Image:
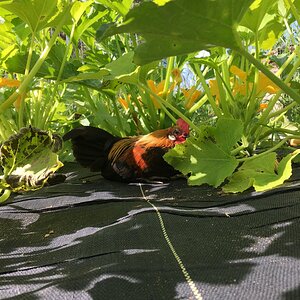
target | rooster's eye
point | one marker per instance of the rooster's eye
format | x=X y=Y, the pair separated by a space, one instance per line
x=172 y=137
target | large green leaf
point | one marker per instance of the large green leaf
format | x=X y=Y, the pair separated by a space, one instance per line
x=270 y=34
x=35 y=13
x=49 y=69
x=7 y=37
x=87 y=23
x=208 y=158
x=256 y=16
x=88 y=76
x=284 y=8
x=17 y=64
x=261 y=173
x=28 y=159
x=121 y=6
x=121 y=69
x=182 y=26
x=227 y=133
x=79 y=8
x=262 y=19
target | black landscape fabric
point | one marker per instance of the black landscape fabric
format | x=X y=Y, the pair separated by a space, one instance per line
x=89 y=238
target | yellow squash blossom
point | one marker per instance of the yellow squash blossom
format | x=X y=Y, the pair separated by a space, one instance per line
x=191 y=95
x=17 y=103
x=176 y=74
x=238 y=72
x=12 y=83
x=6 y=82
x=124 y=101
x=237 y=88
x=158 y=90
x=241 y=88
x=262 y=106
x=214 y=89
x=264 y=84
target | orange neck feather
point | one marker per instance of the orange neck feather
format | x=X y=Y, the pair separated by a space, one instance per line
x=158 y=138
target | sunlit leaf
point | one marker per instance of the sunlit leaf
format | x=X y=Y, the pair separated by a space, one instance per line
x=121 y=6
x=87 y=24
x=88 y=75
x=161 y=2
x=28 y=159
x=256 y=16
x=270 y=34
x=17 y=64
x=182 y=26
x=123 y=69
x=35 y=13
x=262 y=20
x=227 y=133
x=261 y=173
x=284 y=7
x=79 y=8
x=7 y=37
x=208 y=158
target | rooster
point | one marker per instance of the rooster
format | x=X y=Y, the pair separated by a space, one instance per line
x=128 y=159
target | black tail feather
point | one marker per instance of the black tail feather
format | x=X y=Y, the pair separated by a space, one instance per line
x=91 y=146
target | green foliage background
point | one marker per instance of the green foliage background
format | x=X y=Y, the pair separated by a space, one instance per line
x=90 y=62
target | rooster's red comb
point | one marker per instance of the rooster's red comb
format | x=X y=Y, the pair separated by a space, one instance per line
x=183 y=125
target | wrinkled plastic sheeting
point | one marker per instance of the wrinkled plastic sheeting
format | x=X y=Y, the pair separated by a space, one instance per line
x=89 y=238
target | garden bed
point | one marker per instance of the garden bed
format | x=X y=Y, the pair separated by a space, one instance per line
x=89 y=238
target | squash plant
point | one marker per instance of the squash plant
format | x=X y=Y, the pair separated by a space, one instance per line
x=119 y=64
x=232 y=149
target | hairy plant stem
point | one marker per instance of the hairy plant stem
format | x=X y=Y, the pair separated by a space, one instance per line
x=287 y=62
x=170 y=66
x=282 y=111
x=151 y=108
x=293 y=9
x=117 y=112
x=282 y=142
x=164 y=105
x=251 y=108
x=266 y=115
x=27 y=79
x=27 y=69
x=281 y=130
x=289 y=30
x=223 y=96
x=237 y=150
x=295 y=96
x=52 y=105
x=38 y=109
x=117 y=39
x=146 y=126
x=223 y=101
x=224 y=77
x=211 y=99
x=202 y=100
x=197 y=105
